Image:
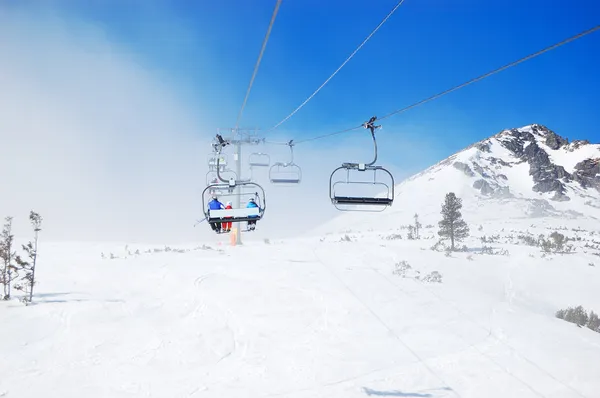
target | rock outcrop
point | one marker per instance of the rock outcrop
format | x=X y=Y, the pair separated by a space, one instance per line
x=535 y=145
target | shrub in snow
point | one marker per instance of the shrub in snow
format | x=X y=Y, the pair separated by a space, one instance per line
x=411 y=233
x=490 y=250
x=402 y=268
x=439 y=246
x=528 y=240
x=452 y=226
x=434 y=277
x=580 y=317
x=490 y=239
x=393 y=237
x=555 y=243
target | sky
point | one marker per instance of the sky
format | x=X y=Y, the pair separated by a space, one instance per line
x=108 y=107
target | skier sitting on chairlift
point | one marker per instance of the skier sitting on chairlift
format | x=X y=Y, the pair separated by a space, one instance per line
x=214 y=204
x=227 y=224
x=252 y=223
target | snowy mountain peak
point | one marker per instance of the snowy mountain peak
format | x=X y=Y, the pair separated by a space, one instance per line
x=555 y=166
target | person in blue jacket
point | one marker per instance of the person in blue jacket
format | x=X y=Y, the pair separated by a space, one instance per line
x=252 y=223
x=214 y=204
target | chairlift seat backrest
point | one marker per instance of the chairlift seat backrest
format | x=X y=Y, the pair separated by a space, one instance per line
x=235 y=213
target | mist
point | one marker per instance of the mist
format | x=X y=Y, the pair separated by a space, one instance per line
x=95 y=142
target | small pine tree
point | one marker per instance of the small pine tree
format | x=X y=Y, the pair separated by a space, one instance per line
x=28 y=267
x=7 y=255
x=577 y=315
x=558 y=241
x=593 y=322
x=417 y=226
x=452 y=225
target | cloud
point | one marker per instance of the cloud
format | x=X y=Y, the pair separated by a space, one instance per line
x=98 y=144
x=90 y=139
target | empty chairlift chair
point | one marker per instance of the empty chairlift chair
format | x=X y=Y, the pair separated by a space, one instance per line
x=258 y=159
x=286 y=173
x=344 y=192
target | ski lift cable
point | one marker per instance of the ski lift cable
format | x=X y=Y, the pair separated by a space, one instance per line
x=436 y=96
x=339 y=68
x=262 y=50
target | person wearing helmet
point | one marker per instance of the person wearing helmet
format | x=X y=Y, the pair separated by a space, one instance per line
x=227 y=225
x=214 y=204
x=252 y=223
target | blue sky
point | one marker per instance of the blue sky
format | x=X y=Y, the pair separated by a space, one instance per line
x=133 y=91
x=208 y=50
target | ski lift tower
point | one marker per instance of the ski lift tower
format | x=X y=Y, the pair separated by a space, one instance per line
x=237 y=137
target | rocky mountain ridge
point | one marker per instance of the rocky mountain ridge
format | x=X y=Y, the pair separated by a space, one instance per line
x=543 y=151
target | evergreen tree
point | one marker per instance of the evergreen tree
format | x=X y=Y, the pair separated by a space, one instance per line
x=593 y=322
x=417 y=226
x=28 y=267
x=452 y=225
x=7 y=256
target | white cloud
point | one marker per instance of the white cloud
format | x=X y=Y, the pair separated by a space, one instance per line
x=89 y=138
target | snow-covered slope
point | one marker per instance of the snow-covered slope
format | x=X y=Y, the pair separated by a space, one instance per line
x=529 y=172
x=307 y=318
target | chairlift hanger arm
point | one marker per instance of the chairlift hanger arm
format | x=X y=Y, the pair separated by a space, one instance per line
x=291 y=145
x=366 y=166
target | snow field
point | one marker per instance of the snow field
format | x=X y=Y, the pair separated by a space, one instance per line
x=302 y=318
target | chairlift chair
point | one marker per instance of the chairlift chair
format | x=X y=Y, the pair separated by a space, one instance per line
x=378 y=202
x=246 y=189
x=287 y=173
x=258 y=159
